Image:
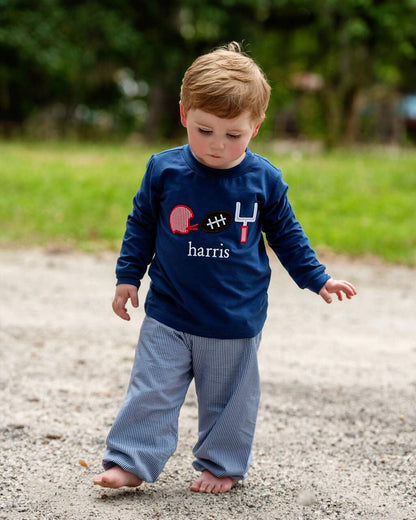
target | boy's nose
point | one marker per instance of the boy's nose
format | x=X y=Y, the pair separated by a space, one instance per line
x=217 y=144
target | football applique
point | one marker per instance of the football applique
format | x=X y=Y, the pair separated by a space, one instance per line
x=216 y=221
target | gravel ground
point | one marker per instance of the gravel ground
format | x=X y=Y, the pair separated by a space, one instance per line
x=336 y=429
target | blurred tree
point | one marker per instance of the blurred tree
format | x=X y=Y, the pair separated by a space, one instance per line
x=69 y=53
x=60 y=51
x=354 y=45
x=369 y=44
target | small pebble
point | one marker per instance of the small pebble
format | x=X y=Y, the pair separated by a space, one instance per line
x=16 y=426
x=306 y=498
x=53 y=436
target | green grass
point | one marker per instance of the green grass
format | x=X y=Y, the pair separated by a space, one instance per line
x=78 y=195
x=359 y=203
x=68 y=194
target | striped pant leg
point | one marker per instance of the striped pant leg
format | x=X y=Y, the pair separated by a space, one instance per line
x=228 y=389
x=144 y=434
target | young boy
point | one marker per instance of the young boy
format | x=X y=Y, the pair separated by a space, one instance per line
x=198 y=221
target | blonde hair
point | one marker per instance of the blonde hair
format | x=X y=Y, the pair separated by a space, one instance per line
x=226 y=82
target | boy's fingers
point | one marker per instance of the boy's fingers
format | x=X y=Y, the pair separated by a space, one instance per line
x=349 y=289
x=325 y=295
x=339 y=287
x=123 y=314
x=120 y=309
x=134 y=298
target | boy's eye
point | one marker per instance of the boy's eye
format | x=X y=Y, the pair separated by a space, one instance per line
x=204 y=132
x=234 y=136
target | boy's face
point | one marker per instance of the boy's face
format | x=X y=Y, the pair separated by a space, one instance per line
x=215 y=141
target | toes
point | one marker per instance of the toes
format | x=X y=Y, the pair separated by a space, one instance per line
x=196 y=486
x=206 y=487
x=227 y=486
x=208 y=483
x=99 y=481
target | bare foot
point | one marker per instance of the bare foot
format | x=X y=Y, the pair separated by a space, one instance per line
x=116 y=477
x=209 y=483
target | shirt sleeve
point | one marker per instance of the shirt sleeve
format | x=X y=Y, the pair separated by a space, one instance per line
x=288 y=240
x=138 y=244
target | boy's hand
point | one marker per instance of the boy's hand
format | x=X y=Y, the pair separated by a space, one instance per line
x=338 y=287
x=125 y=291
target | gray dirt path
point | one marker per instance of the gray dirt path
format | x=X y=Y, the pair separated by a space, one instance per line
x=336 y=429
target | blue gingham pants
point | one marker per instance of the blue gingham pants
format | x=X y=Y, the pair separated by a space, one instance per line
x=144 y=434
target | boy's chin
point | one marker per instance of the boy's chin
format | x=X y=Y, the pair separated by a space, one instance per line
x=218 y=162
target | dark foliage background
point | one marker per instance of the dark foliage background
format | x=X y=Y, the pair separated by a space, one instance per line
x=91 y=68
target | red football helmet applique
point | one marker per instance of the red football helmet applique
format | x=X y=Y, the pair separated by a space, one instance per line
x=179 y=220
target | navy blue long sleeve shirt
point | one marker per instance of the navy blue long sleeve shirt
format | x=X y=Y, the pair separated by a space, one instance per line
x=200 y=230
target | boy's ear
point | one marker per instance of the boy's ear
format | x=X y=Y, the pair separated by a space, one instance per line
x=183 y=114
x=256 y=128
